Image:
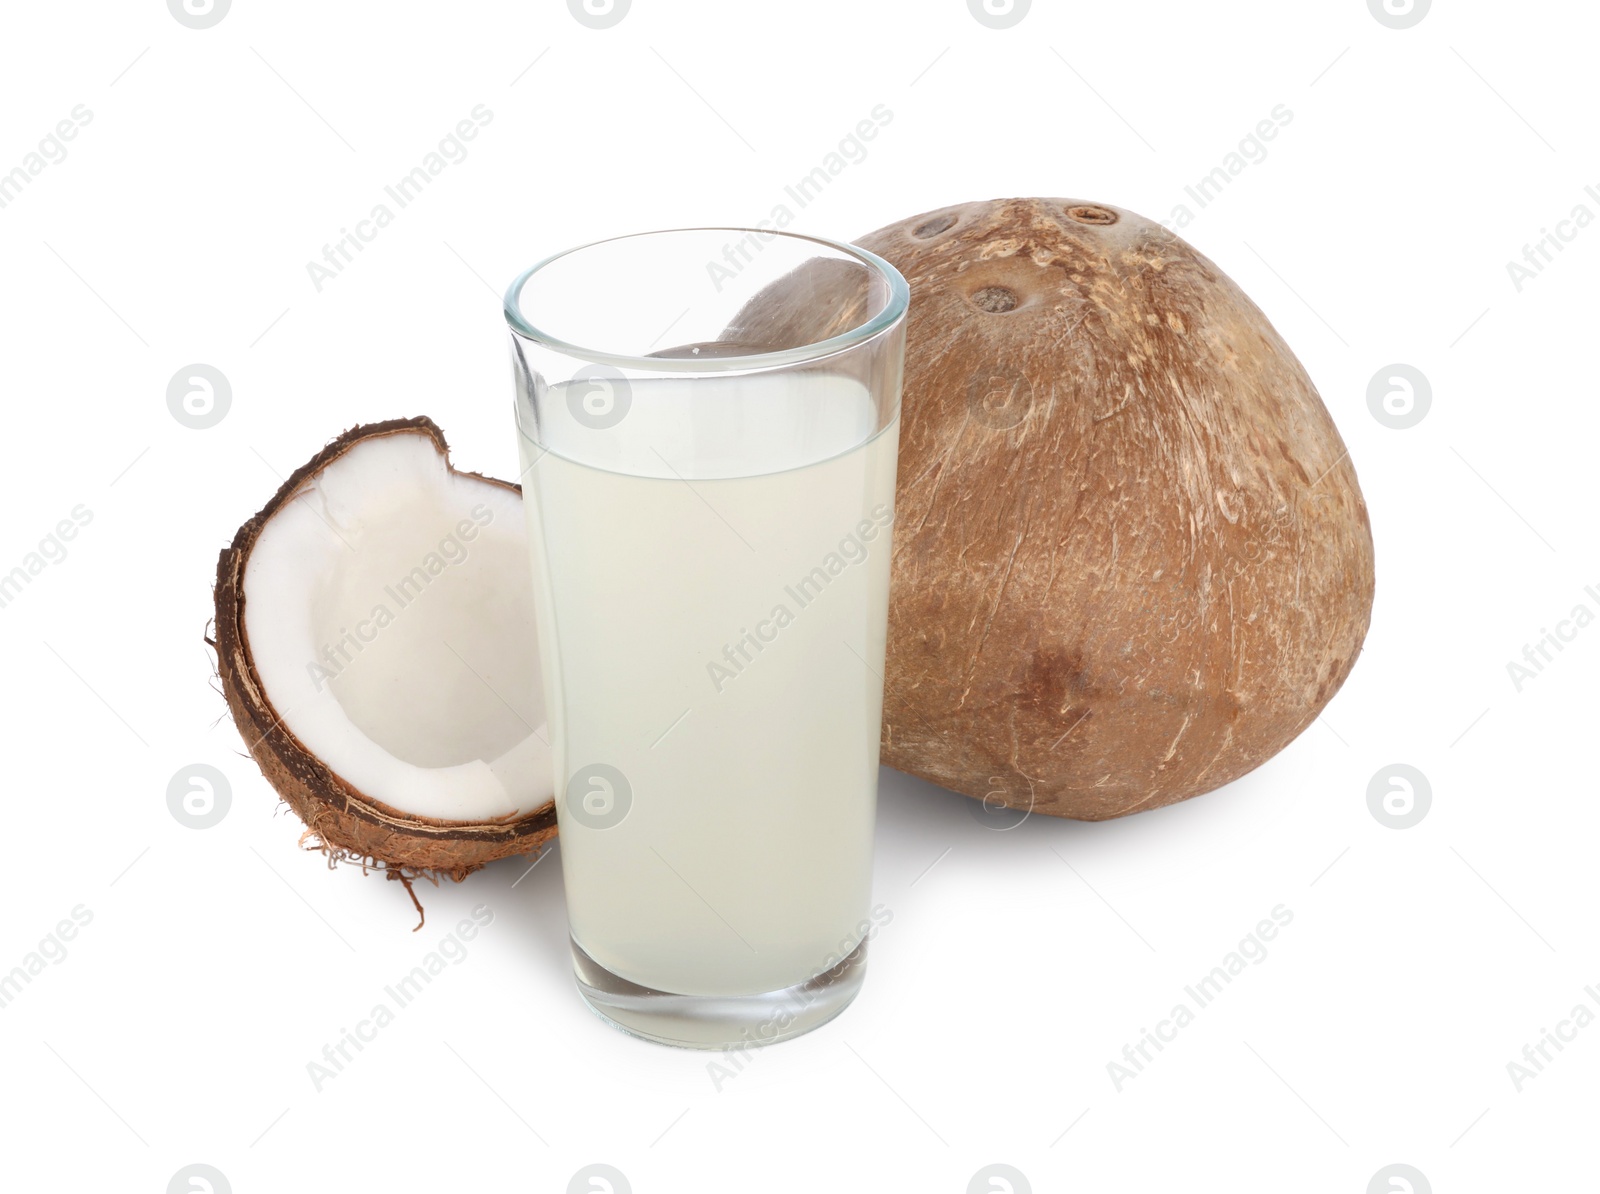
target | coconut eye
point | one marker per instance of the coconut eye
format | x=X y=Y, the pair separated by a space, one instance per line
x=931 y=228
x=994 y=299
x=1089 y=213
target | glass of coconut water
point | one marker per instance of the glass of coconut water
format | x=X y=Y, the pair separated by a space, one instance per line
x=709 y=424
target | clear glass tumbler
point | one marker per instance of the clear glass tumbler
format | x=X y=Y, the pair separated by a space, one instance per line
x=709 y=421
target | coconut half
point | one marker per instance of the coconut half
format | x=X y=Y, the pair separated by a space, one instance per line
x=376 y=644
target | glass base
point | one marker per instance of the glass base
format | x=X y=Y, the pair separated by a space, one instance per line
x=718 y=1021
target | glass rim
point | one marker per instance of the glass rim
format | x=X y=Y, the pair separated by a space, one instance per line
x=894 y=310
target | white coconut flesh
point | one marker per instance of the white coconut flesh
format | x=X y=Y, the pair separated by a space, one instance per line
x=389 y=613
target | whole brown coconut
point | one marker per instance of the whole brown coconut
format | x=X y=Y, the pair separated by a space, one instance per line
x=343 y=819
x=1131 y=559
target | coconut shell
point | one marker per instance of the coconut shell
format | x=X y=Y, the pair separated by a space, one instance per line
x=341 y=817
x=1131 y=558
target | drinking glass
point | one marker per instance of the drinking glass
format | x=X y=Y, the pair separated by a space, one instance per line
x=709 y=422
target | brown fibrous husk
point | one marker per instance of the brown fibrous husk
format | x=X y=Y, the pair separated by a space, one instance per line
x=1131 y=558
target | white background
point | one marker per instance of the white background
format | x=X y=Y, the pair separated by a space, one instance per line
x=218 y=963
